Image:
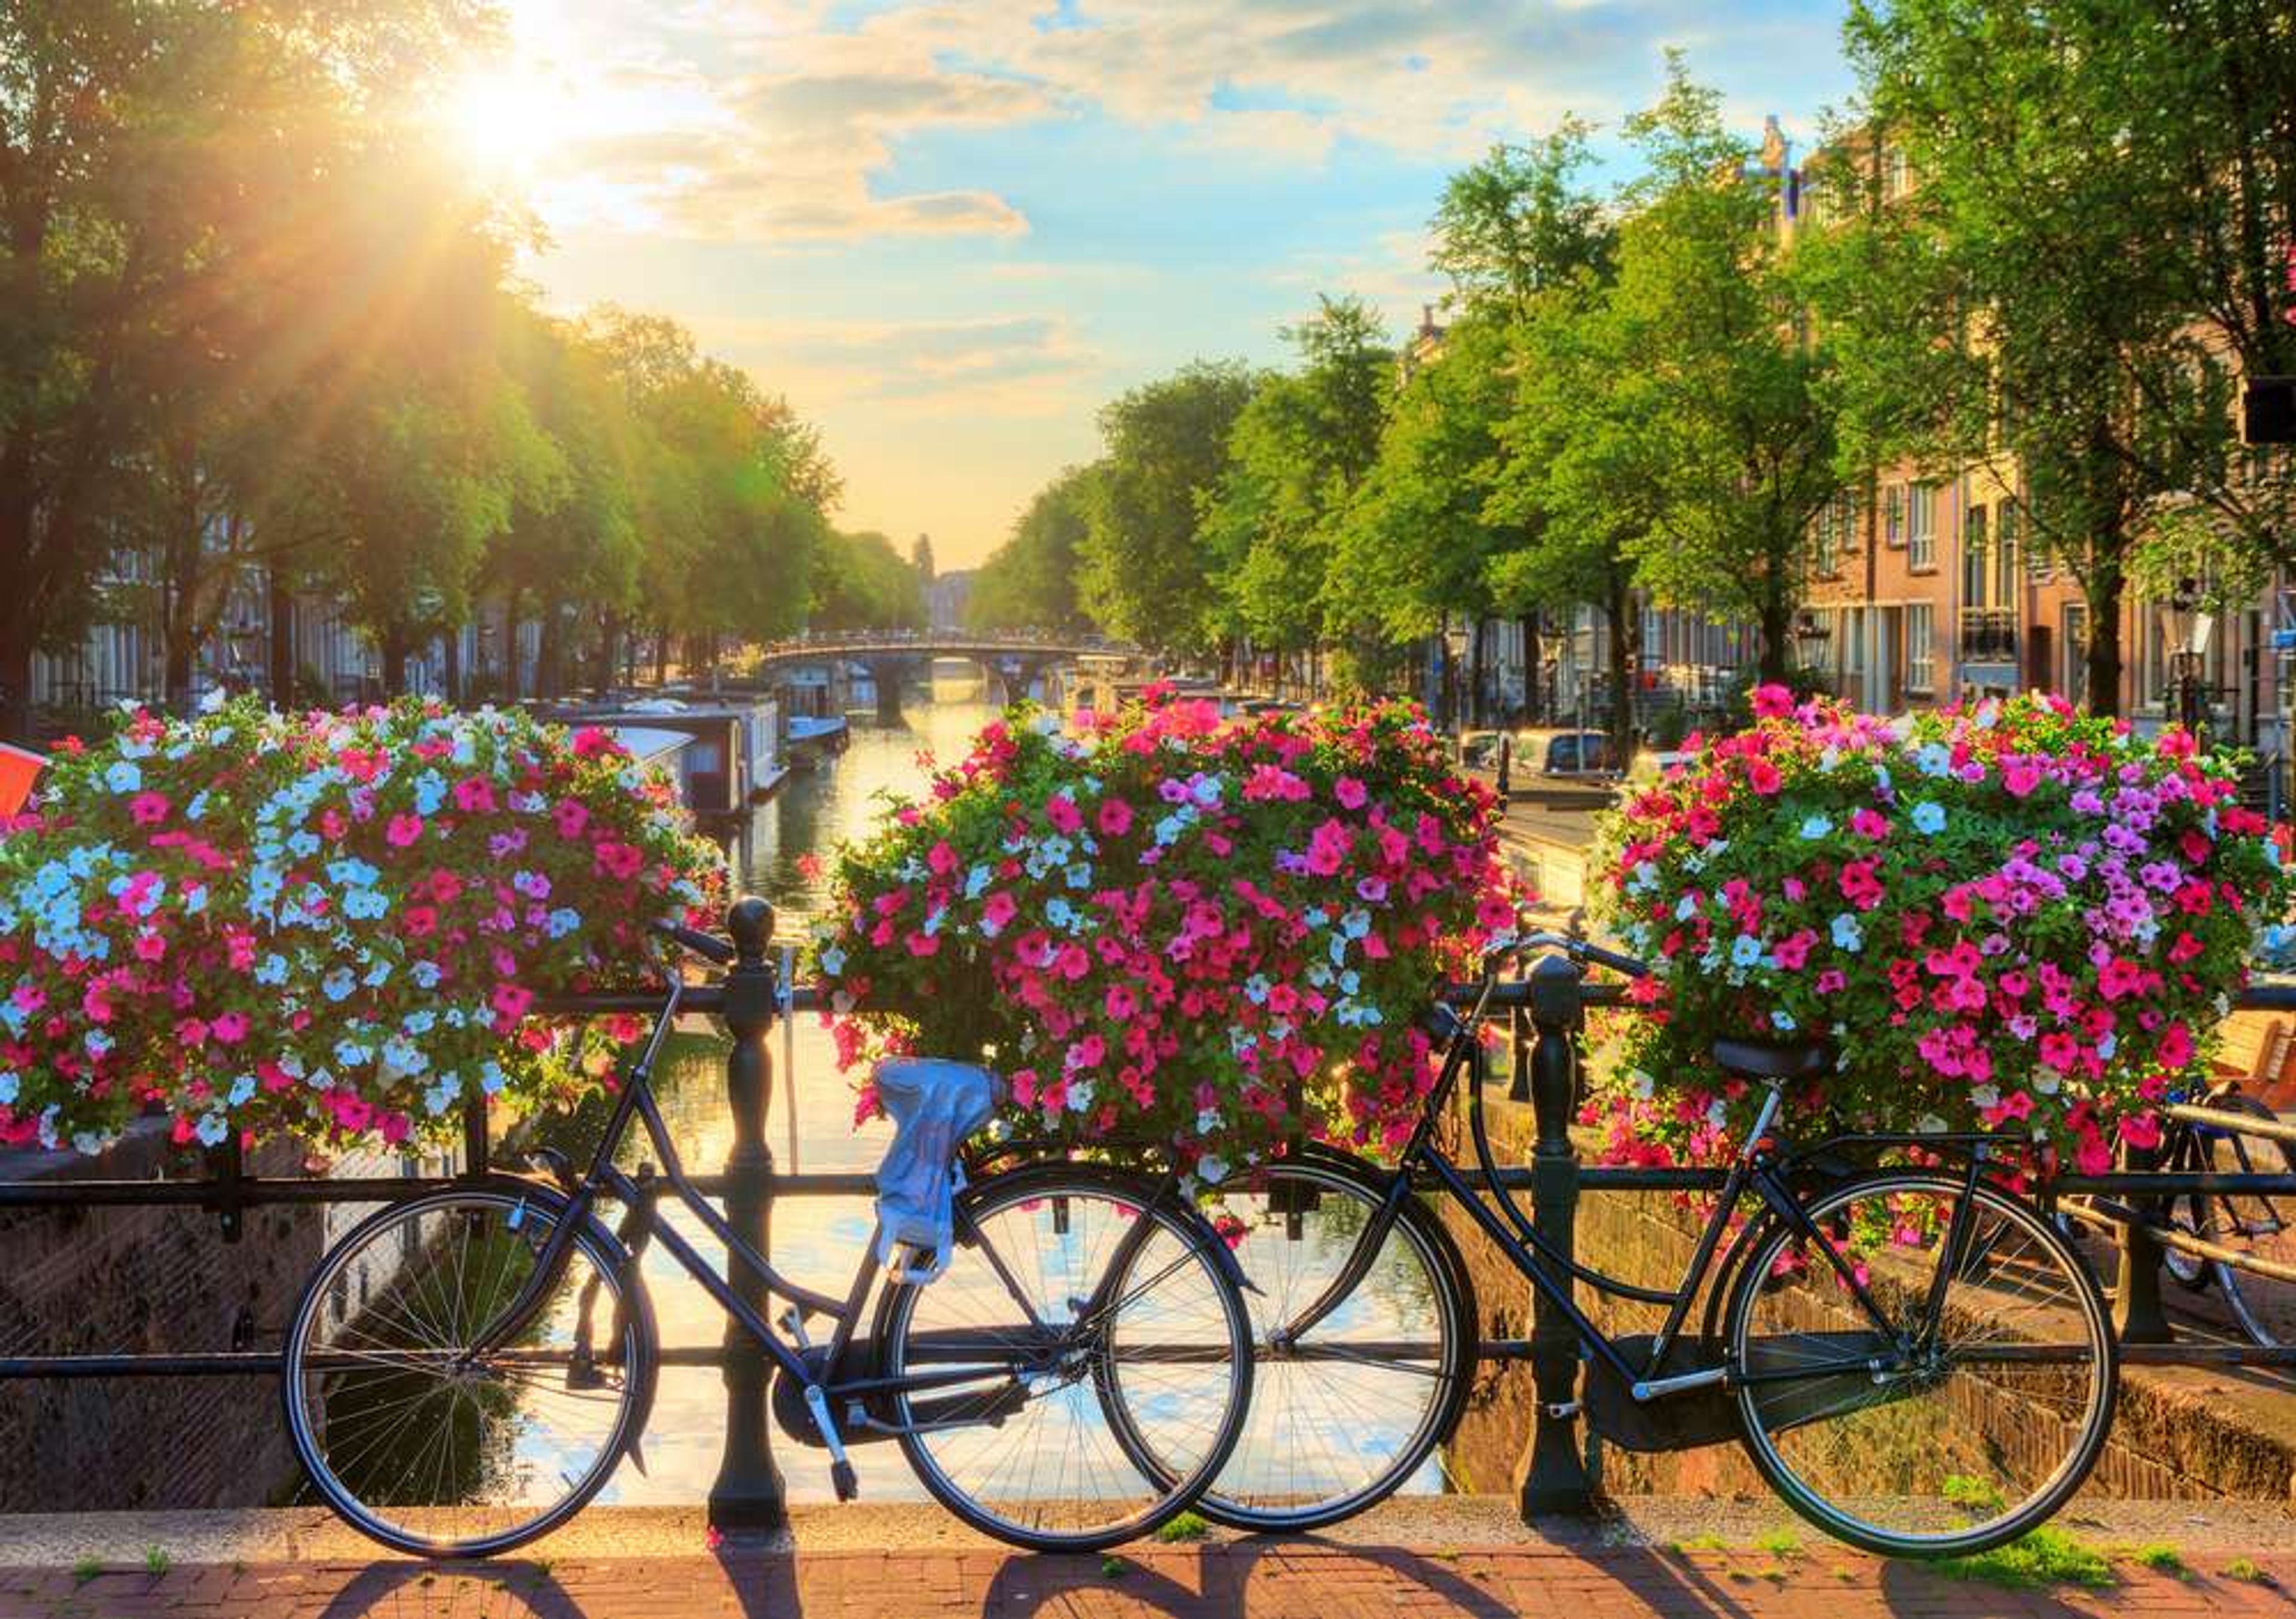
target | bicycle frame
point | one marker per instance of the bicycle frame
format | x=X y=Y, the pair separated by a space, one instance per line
x=1759 y=1167
x=603 y=1179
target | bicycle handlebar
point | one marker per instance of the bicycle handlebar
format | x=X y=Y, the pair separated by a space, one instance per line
x=1570 y=944
x=701 y=944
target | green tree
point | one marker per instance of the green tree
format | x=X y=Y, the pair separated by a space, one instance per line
x=1030 y=581
x=1518 y=222
x=1296 y=455
x=159 y=160
x=864 y=582
x=1724 y=373
x=1427 y=535
x=1147 y=572
x=2084 y=234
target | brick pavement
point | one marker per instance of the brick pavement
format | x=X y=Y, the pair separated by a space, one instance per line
x=1276 y=1579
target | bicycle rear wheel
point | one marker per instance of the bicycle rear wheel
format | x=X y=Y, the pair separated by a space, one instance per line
x=1914 y=1446
x=427 y=1448
x=1066 y=1275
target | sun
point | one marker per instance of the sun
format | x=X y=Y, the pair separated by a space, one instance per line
x=505 y=120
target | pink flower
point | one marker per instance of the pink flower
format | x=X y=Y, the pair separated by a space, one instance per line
x=1772 y=701
x=403 y=831
x=474 y=795
x=148 y=809
x=1115 y=817
x=230 y=1028
x=1350 y=793
x=510 y=1002
x=997 y=912
x=1061 y=812
x=1763 y=776
x=570 y=816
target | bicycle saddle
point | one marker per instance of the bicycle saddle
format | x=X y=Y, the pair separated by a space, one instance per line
x=1774 y=1059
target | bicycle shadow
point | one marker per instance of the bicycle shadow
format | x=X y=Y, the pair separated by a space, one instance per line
x=1248 y=1579
x=763 y=1582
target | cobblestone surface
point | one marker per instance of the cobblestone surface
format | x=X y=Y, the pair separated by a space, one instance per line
x=1270 y=1580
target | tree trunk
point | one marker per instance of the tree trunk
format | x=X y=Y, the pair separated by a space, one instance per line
x=1776 y=664
x=545 y=650
x=1620 y=611
x=395 y=641
x=279 y=623
x=661 y=655
x=1475 y=674
x=509 y=678
x=2103 y=590
x=452 y=637
x=1531 y=712
x=15 y=678
x=609 y=645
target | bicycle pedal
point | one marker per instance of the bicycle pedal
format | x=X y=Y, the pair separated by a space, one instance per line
x=845 y=1480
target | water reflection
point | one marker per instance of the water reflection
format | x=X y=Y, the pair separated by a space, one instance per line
x=817 y=1240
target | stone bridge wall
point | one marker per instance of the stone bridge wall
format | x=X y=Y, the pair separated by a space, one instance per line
x=2180 y=1431
x=130 y=1280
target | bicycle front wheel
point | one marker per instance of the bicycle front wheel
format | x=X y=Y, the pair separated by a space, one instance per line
x=430 y=1448
x=2261 y=1224
x=1349 y=1407
x=1067 y=1276
x=1944 y=1395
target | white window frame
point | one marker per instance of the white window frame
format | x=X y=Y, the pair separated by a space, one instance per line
x=1921 y=648
x=1921 y=525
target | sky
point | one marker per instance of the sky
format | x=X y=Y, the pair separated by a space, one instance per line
x=948 y=233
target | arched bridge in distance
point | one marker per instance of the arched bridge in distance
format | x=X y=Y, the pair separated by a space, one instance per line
x=892 y=659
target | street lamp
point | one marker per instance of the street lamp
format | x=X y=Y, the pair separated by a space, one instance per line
x=1810 y=634
x=2185 y=630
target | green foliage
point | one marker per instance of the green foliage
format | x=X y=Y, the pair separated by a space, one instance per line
x=1296 y=454
x=2247 y=1571
x=1147 y=575
x=863 y=582
x=1030 y=580
x=1517 y=223
x=2162 y=1558
x=2047 y=1556
x=157 y=1561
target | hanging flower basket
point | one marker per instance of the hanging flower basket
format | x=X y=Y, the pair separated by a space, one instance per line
x=1169 y=930
x=2014 y=918
x=326 y=925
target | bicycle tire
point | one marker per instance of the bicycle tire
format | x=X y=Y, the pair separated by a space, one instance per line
x=2076 y=1312
x=1043 y=1198
x=1418 y=1253
x=513 y=1206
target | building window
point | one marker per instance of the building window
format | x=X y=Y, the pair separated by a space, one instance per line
x=1921 y=525
x=1893 y=514
x=1921 y=647
x=1897 y=174
x=1974 y=572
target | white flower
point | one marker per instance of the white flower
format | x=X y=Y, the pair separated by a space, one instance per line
x=213 y=700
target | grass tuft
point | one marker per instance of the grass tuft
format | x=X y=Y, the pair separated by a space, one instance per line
x=1779 y=1543
x=2045 y=1556
x=2245 y=1571
x=1186 y=1526
x=2160 y=1557
x=1114 y=1568
x=157 y=1562
x=1700 y=1542
x=86 y=1569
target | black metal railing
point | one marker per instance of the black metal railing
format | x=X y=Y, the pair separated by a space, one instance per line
x=1989 y=635
x=1547 y=1016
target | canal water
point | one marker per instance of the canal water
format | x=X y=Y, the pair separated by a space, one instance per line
x=816 y=1241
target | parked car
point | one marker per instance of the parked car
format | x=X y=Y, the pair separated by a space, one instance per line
x=1579 y=753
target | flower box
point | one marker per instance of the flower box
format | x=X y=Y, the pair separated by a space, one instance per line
x=1174 y=930
x=2013 y=918
x=331 y=926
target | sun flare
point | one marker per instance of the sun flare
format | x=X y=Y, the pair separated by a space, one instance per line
x=506 y=119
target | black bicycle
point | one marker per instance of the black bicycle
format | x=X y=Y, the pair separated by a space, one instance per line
x=1913 y=1358
x=468 y=1367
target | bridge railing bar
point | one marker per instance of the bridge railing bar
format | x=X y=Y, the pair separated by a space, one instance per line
x=1548 y=1026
